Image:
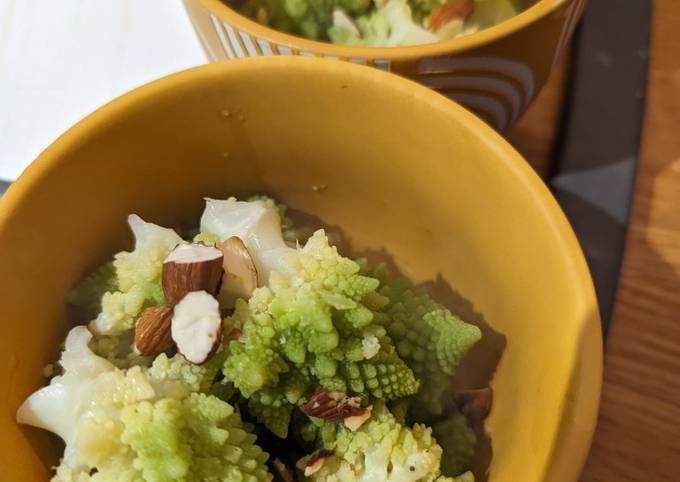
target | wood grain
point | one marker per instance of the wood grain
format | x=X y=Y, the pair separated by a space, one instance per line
x=638 y=435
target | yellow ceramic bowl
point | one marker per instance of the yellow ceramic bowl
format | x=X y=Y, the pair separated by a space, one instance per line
x=496 y=72
x=404 y=170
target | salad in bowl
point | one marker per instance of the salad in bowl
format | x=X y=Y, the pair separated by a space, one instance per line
x=381 y=23
x=249 y=350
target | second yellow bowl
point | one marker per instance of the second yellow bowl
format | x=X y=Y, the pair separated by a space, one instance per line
x=496 y=72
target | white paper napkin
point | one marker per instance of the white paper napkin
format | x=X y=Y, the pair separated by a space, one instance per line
x=61 y=59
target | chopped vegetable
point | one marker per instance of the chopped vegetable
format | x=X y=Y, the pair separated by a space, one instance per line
x=315 y=319
x=126 y=425
x=381 y=23
x=382 y=449
x=138 y=277
x=186 y=338
x=428 y=337
x=458 y=441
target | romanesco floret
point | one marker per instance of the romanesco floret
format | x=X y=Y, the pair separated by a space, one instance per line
x=317 y=322
x=314 y=319
x=382 y=449
x=465 y=477
x=138 y=276
x=177 y=372
x=384 y=376
x=196 y=439
x=273 y=406
x=199 y=438
x=426 y=334
x=458 y=441
x=428 y=337
x=124 y=425
x=87 y=294
x=272 y=410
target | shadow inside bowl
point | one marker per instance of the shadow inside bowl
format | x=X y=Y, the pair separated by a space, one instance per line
x=479 y=365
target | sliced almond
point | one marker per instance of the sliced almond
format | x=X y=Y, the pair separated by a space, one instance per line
x=312 y=463
x=332 y=406
x=235 y=334
x=191 y=267
x=152 y=332
x=475 y=405
x=282 y=469
x=452 y=10
x=197 y=326
x=240 y=275
x=355 y=422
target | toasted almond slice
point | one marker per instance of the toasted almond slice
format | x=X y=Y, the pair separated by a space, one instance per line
x=474 y=404
x=197 y=326
x=235 y=334
x=282 y=469
x=356 y=421
x=152 y=332
x=452 y=10
x=191 y=267
x=312 y=463
x=240 y=274
x=332 y=406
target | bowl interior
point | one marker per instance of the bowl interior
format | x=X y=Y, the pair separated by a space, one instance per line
x=403 y=170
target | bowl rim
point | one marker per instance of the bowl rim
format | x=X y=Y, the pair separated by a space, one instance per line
x=578 y=415
x=458 y=45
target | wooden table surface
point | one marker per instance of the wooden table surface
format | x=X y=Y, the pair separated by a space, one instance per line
x=638 y=433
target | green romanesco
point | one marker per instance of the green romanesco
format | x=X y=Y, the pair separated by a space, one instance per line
x=384 y=376
x=465 y=477
x=140 y=425
x=428 y=337
x=196 y=439
x=382 y=449
x=318 y=320
x=399 y=409
x=458 y=441
x=272 y=410
x=199 y=438
x=138 y=275
x=87 y=294
x=118 y=349
x=273 y=406
x=178 y=372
